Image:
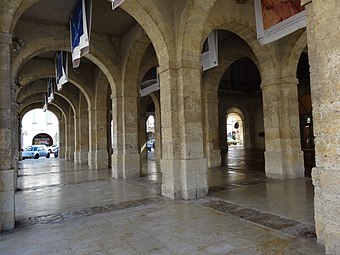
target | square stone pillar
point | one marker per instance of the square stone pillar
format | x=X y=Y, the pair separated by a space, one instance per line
x=283 y=155
x=183 y=165
x=323 y=35
x=158 y=136
x=125 y=157
x=7 y=142
x=143 y=150
x=69 y=151
x=211 y=132
x=62 y=138
x=98 y=154
x=82 y=137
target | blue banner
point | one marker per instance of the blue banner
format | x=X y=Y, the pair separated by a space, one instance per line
x=61 y=68
x=80 y=29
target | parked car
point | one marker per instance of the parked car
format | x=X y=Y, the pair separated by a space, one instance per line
x=53 y=148
x=231 y=141
x=150 y=144
x=36 y=151
x=56 y=153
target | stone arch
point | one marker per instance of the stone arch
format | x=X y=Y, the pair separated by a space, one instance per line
x=145 y=67
x=52 y=107
x=161 y=40
x=102 y=90
x=19 y=7
x=60 y=102
x=131 y=64
x=198 y=12
x=212 y=77
x=246 y=30
x=39 y=69
x=156 y=102
x=295 y=53
x=45 y=44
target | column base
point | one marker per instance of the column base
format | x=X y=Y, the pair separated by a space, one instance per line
x=80 y=157
x=184 y=179
x=284 y=165
x=7 y=198
x=125 y=166
x=98 y=159
x=214 y=159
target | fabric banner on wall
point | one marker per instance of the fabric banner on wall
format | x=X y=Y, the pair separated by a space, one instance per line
x=278 y=18
x=61 y=68
x=50 y=90
x=80 y=27
x=45 y=102
x=116 y=3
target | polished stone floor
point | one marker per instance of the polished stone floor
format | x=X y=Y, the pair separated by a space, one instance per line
x=64 y=208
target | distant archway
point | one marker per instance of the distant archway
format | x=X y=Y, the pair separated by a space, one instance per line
x=42 y=138
x=39 y=127
x=234 y=128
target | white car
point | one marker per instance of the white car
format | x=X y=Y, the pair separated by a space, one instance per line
x=35 y=151
x=53 y=148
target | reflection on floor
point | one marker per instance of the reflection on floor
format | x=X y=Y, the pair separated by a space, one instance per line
x=64 y=208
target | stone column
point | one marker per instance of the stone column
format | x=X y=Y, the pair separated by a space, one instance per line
x=82 y=138
x=211 y=131
x=158 y=137
x=283 y=155
x=98 y=154
x=7 y=172
x=183 y=166
x=222 y=121
x=323 y=19
x=19 y=138
x=69 y=152
x=142 y=137
x=62 y=138
x=92 y=139
x=125 y=157
x=101 y=153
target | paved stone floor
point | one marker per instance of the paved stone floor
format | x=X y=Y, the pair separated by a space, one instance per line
x=67 y=209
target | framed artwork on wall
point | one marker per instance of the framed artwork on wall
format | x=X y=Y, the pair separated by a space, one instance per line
x=278 y=18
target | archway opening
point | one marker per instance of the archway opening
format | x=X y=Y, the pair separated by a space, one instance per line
x=240 y=109
x=150 y=131
x=39 y=127
x=42 y=138
x=305 y=113
x=234 y=128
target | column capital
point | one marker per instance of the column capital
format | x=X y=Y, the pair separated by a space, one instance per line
x=5 y=38
x=176 y=65
x=277 y=81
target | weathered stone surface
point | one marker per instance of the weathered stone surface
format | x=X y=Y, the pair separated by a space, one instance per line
x=323 y=49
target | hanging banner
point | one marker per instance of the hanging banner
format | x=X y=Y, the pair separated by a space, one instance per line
x=45 y=102
x=278 y=18
x=61 y=68
x=209 y=57
x=116 y=3
x=80 y=27
x=50 y=90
